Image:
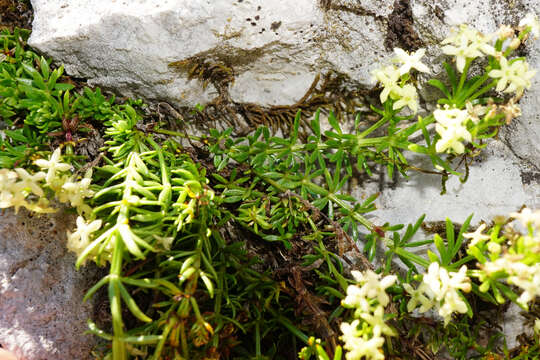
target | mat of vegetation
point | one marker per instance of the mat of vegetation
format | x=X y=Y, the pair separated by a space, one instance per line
x=247 y=247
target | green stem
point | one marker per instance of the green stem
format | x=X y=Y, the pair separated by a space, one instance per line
x=373 y=127
x=118 y=346
x=483 y=90
x=463 y=76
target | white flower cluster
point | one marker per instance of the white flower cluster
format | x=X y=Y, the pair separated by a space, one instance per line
x=440 y=290
x=18 y=187
x=467 y=44
x=65 y=185
x=452 y=128
x=513 y=76
x=363 y=336
x=517 y=260
x=392 y=79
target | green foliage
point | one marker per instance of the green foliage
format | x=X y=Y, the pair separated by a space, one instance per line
x=240 y=247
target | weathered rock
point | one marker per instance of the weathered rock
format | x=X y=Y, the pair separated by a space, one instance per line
x=42 y=315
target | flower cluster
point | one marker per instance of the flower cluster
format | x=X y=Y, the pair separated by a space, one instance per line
x=440 y=290
x=64 y=184
x=19 y=189
x=513 y=76
x=363 y=336
x=393 y=79
x=452 y=128
x=512 y=256
x=467 y=44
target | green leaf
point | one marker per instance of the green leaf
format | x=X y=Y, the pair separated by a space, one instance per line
x=439 y=85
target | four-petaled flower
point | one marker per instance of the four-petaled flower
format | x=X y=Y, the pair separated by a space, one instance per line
x=513 y=75
x=410 y=61
x=477 y=235
x=53 y=165
x=80 y=239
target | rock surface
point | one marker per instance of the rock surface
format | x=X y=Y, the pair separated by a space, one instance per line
x=273 y=50
x=42 y=316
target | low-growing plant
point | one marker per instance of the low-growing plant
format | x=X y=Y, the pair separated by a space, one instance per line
x=220 y=246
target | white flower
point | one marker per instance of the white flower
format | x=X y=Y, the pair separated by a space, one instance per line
x=417 y=296
x=531 y=20
x=28 y=181
x=451 y=127
x=512 y=77
x=357 y=347
x=407 y=97
x=467 y=44
x=376 y=320
x=410 y=61
x=527 y=217
x=80 y=239
x=388 y=77
x=356 y=299
x=75 y=192
x=442 y=286
x=477 y=235
x=373 y=287
x=53 y=165
x=475 y=111
x=452 y=303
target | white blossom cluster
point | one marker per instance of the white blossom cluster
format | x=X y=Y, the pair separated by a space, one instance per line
x=440 y=289
x=516 y=259
x=18 y=188
x=393 y=79
x=363 y=337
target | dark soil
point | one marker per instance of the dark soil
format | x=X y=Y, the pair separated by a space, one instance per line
x=401 y=31
x=16 y=13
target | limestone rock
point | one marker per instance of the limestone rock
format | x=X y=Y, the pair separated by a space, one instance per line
x=42 y=315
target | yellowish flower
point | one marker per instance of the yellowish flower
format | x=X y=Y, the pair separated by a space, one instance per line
x=53 y=165
x=512 y=76
x=80 y=239
x=410 y=61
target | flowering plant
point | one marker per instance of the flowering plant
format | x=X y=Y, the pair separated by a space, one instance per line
x=223 y=246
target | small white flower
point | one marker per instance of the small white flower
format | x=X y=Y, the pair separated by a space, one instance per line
x=407 y=97
x=75 y=192
x=467 y=44
x=477 y=235
x=357 y=347
x=410 y=61
x=512 y=77
x=417 y=296
x=452 y=303
x=504 y=32
x=80 y=239
x=28 y=181
x=451 y=127
x=53 y=165
x=475 y=111
x=376 y=320
x=531 y=20
x=388 y=77
x=527 y=217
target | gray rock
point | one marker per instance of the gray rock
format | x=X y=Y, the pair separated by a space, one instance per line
x=42 y=315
